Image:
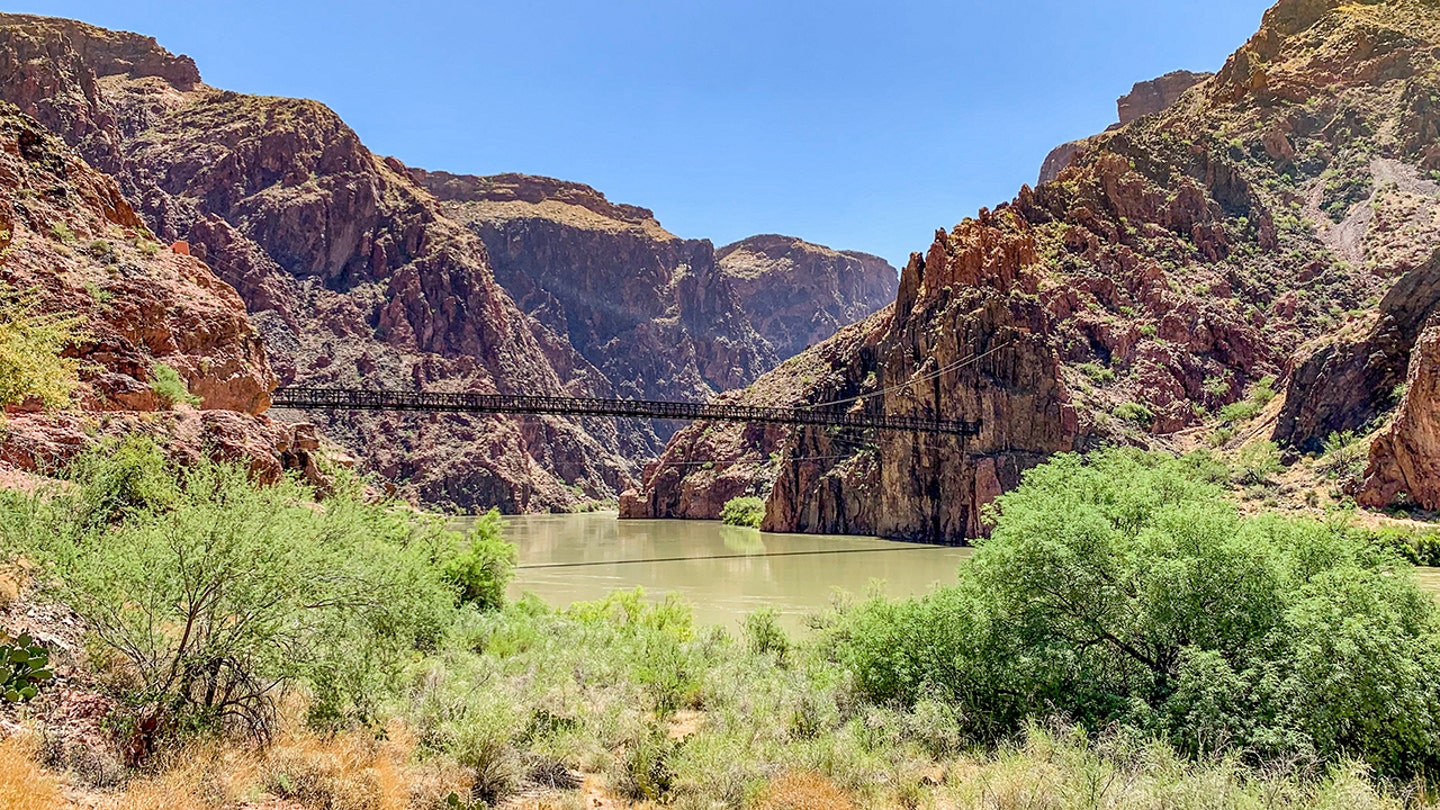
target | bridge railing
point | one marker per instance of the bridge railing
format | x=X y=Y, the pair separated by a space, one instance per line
x=364 y=399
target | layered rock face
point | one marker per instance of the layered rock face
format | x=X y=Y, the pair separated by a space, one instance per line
x=72 y=241
x=352 y=273
x=647 y=308
x=661 y=317
x=1174 y=262
x=798 y=294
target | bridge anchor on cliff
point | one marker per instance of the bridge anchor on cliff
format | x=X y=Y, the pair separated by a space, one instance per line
x=352 y=399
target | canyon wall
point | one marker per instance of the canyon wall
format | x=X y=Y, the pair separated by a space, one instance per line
x=1175 y=262
x=350 y=271
x=71 y=246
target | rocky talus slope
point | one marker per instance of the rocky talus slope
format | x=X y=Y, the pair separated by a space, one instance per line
x=1249 y=230
x=69 y=239
x=352 y=274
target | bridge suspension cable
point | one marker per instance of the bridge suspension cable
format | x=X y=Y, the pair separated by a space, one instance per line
x=369 y=400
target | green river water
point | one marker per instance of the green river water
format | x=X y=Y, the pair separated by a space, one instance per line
x=724 y=572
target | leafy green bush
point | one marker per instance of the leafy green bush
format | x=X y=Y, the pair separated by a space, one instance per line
x=1125 y=589
x=1343 y=456
x=645 y=773
x=1417 y=546
x=168 y=385
x=764 y=636
x=219 y=595
x=483 y=565
x=1135 y=413
x=31 y=342
x=744 y=511
x=24 y=668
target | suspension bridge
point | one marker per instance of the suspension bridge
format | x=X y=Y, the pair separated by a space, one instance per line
x=351 y=399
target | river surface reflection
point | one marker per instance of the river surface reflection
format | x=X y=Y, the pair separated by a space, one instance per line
x=724 y=572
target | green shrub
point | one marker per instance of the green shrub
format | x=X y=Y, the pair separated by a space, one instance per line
x=170 y=387
x=1098 y=373
x=645 y=772
x=744 y=511
x=1124 y=589
x=31 y=342
x=483 y=565
x=1135 y=413
x=220 y=595
x=1343 y=457
x=764 y=636
x=1242 y=411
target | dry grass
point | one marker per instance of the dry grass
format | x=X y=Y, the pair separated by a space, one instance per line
x=23 y=784
x=348 y=771
x=9 y=588
x=351 y=771
x=804 y=791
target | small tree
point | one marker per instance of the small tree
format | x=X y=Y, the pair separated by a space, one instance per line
x=744 y=511
x=214 y=596
x=483 y=564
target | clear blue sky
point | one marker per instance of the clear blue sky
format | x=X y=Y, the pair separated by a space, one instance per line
x=859 y=125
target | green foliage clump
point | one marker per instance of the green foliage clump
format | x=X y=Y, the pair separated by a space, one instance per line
x=1136 y=413
x=167 y=384
x=764 y=636
x=1417 y=546
x=31 y=342
x=1343 y=456
x=1097 y=373
x=24 y=668
x=746 y=511
x=214 y=595
x=62 y=232
x=1261 y=394
x=483 y=564
x=1124 y=589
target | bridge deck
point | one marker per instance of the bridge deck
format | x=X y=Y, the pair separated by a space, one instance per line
x=358 y=399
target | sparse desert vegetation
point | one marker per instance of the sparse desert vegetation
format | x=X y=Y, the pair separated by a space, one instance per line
x=1126 y=639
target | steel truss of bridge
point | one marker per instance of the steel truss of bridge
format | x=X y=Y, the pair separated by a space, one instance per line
x=345 y=399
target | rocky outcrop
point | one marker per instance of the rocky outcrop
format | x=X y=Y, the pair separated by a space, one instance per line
x=1156 y=95
x=1058 y=159
x=1345 y=382
x=798 y=294
x=1404 y=466
x=706 y=465
x=350 y=270
x=661 y=317
x=1168 y=269
x=1145 y=98
x=74 y=245
x=71 y=239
